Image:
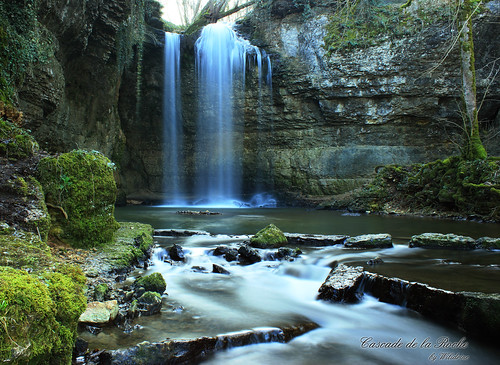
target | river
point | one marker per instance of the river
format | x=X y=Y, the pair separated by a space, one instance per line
x=274 y=293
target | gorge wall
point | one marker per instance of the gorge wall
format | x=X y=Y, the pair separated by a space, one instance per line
x=325 y=126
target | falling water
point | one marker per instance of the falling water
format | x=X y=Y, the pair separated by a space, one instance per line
x=221 y=63
x=173 y=158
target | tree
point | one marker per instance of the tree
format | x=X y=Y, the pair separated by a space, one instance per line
x=215 y=10
x=474 y=148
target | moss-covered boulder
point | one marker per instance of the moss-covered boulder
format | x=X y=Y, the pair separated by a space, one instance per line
x=149 y=303
x=15 y=142
x=270 y=236
x=439 y=240
x=154 y=283
x=368 y=241
x=40 y=302
x=80 y=191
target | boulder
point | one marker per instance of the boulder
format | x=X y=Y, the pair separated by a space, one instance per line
x=287 y=253
x=446 y=241
x=99 y=313
x=248 y=255
x=368 y=241
x=176 y=253
x=229 y=253
x=154 y=282
x=270 y=236
x=342 y=284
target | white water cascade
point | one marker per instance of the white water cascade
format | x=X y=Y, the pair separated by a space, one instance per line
x=221 y=64
x=173 y=157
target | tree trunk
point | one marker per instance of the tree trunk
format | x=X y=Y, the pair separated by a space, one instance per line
x=474 y=148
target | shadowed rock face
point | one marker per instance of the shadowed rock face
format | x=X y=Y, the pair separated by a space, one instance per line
x=321 y=130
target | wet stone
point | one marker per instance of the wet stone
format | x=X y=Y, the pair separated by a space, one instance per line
x=369 y=241
x=176 y=253
x=217 y=269
x=342 y=284
x=248 y=255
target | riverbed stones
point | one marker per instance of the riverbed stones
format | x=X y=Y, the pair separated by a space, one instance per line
x=270 y=236
x=341 y=284
x=369 y=241
x=443 y=241
x=99 y=313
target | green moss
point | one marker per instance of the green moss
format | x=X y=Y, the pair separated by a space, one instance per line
x=15 y=142
x=152 y=283
x=40 y=302
x=270 y=236
x=453 y=184
x=130 y=244
x=80 y=186
x=100 y=292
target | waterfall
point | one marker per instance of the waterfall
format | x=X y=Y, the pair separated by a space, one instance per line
x=221 y=63
x=173 y=158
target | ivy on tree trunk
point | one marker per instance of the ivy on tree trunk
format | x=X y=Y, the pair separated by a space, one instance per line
x=474 y=148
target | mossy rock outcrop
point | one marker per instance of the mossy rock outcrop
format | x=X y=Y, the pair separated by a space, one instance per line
x=80 y=191
x=15 y=142
x=40 y=302
x=270 y=236
x=453 y=185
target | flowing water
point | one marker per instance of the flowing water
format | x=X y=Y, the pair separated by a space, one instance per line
x=273 y=293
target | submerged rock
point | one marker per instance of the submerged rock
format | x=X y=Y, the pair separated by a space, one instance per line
x=195 y=350
x=376 y=261
x=439 y=240
x=99 y=313
x=342 y=284
x=368 y=241
x=270 y=236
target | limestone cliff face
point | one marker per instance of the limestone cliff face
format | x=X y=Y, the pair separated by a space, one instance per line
x=71 y=100
x=332 y=120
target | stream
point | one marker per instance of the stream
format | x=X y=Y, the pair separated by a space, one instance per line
x=276 y=293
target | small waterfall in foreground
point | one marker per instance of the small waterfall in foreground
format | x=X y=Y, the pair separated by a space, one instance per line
x=221 y=64
x=173 y=158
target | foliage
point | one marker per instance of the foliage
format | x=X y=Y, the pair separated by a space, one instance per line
x=15 y=142
x=454 y=184
x=80 y=186
x=22 y=44
x=365 y=23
